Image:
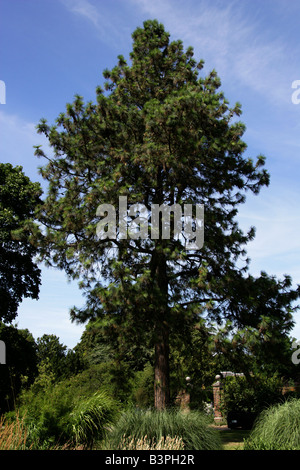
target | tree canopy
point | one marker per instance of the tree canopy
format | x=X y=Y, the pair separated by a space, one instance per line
x=19 y=273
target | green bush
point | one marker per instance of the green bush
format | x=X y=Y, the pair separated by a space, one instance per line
x=192 y=427
x=240 y=395
x=65 y=413
x=142 y=393
x=46 y=416
x=277 y=428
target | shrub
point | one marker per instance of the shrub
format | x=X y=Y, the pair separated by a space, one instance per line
x=192 y=427
x=277 y=428
x=46 y=415
x=142 y=387
x=65 y=413
x=239 y=395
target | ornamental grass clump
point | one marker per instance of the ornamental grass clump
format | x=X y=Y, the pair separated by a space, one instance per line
x=92 y=417
x=144 y=443
x=191 y=428
x=277 y=428
x=13 y=434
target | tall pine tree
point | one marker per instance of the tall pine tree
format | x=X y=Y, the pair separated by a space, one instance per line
x=159 y=133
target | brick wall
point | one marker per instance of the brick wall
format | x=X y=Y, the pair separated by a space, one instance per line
x=217 y=390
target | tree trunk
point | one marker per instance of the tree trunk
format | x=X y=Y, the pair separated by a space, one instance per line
x=161 y=371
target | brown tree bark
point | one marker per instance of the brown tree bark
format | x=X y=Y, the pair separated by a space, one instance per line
x=161 y=371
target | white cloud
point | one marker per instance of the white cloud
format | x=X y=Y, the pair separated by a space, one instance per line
x=13 y=122
x=84 y=8
x=110 y=28
x=276 y=247
x=17 y=140
x=238 y=48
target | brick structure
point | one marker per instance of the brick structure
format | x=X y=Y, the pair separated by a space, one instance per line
x=217 y=392
x=218 y=388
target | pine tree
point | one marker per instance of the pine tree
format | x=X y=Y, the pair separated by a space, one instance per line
x=159 y=133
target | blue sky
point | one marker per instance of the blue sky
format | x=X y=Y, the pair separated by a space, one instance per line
x=54 y=49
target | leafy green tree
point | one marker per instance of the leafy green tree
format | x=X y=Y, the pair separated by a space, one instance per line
x=62 y=362
x=100 y=342
x=20 y=369
x=19 y=274
x=160 y=134
x=50 y=350
x=238 y=395
x=256 y=336
x=50 y=347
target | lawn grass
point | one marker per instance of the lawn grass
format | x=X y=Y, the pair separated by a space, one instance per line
x=233 y=439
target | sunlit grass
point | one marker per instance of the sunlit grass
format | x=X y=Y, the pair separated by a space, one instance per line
x=192 y=428
x=13 y=434
x=233 y=439
x=277 y=428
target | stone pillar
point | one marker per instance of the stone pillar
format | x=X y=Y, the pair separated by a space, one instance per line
x=217 y=388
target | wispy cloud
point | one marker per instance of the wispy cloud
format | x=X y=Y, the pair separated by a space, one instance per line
x=85 y=9
x=224 y=36
x=18 y=138
x=110 y=28
x=240 y=48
